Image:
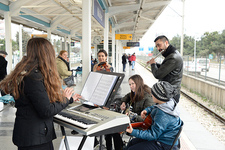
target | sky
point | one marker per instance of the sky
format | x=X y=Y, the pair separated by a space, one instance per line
x=200 y=16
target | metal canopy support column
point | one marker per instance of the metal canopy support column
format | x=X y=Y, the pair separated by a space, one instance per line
x=106 y=33
x=96 y=51
x=86 y=37
x=117 y=55
x=120 y=55
x=8 y=40
x=20 y=41
x=49 y=33
x=65 y=46
x=182 y=32
x=69 y=49
x=113 y=48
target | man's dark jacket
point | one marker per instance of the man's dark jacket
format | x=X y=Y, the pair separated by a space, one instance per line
x=3 y=66
x=171 y=69
x=124 y=59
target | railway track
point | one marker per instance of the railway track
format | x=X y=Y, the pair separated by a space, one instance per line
x=217 y=116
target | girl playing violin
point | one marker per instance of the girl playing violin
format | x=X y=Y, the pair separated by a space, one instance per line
x=102 y=65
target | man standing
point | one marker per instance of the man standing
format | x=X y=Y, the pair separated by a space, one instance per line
x=171 y=69
x=3 y=66
x=133 y=59
x=124 y=61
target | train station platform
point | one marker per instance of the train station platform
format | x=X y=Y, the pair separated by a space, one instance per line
x=193 y=137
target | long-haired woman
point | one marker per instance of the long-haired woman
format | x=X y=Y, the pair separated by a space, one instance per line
x=36 y=87
x=139 y=97
x=102 y=58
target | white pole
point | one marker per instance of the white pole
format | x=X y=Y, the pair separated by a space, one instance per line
x=117 y=55
x=20 y=41
x=106 y=32
x=113 y=48
x=8 y=40
x=49 y=34
x=86 y=37
x=182 y=32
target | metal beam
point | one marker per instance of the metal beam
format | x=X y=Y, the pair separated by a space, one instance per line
x=121 y=9
x=15 y=7
x=118 y=26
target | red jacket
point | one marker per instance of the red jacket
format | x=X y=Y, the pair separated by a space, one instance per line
x=132 y=58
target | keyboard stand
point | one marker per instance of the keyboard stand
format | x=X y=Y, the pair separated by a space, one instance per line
x=65 y=138
x=81 y=143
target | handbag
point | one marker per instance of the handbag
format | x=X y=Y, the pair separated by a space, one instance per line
x=69 y=81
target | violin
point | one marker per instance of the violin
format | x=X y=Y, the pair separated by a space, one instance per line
x=103 y=66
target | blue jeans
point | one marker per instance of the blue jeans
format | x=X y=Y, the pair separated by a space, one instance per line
x=141 y=144
x=124 y=67
x=133 y=64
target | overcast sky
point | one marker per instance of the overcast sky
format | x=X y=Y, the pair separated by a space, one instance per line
x=200 y=16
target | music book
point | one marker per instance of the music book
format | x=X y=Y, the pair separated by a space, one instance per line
x=98 y=88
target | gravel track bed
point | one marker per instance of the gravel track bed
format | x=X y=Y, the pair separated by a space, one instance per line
x=213 y=125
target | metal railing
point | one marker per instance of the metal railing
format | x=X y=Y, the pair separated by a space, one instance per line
x=212 y=70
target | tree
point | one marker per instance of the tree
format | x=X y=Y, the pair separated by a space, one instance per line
x=25 y=38
x=14 y=45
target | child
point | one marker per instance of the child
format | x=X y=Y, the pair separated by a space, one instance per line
x=165 y=121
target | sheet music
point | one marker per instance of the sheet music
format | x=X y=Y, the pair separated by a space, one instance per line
x=97 y=87
x=90 y=84
x=101 y=92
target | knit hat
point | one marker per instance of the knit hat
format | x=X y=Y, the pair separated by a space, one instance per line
x=3 y=52
x=163 y=91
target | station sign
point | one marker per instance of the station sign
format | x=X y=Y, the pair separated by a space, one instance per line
x=98 y=13
x=141 y=48
x=39 y=35
x=123 y=36
x=133 y=44
x=150 y=49
x=125 y=47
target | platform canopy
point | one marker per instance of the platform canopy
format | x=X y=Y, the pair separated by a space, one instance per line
x=64 y=17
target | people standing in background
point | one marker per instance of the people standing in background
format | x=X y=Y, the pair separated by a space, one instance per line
x=171 y=69
x=133 y=59
x=3 y=67
x=129 y=59
x=36 y=87
x=124 y=61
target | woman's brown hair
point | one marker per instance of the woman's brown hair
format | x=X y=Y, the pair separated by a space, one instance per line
x=140 y=90
x=41 y=56
x=62 y=51
x=102 y=51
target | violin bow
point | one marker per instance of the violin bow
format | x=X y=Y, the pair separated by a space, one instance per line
x=155 y=57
